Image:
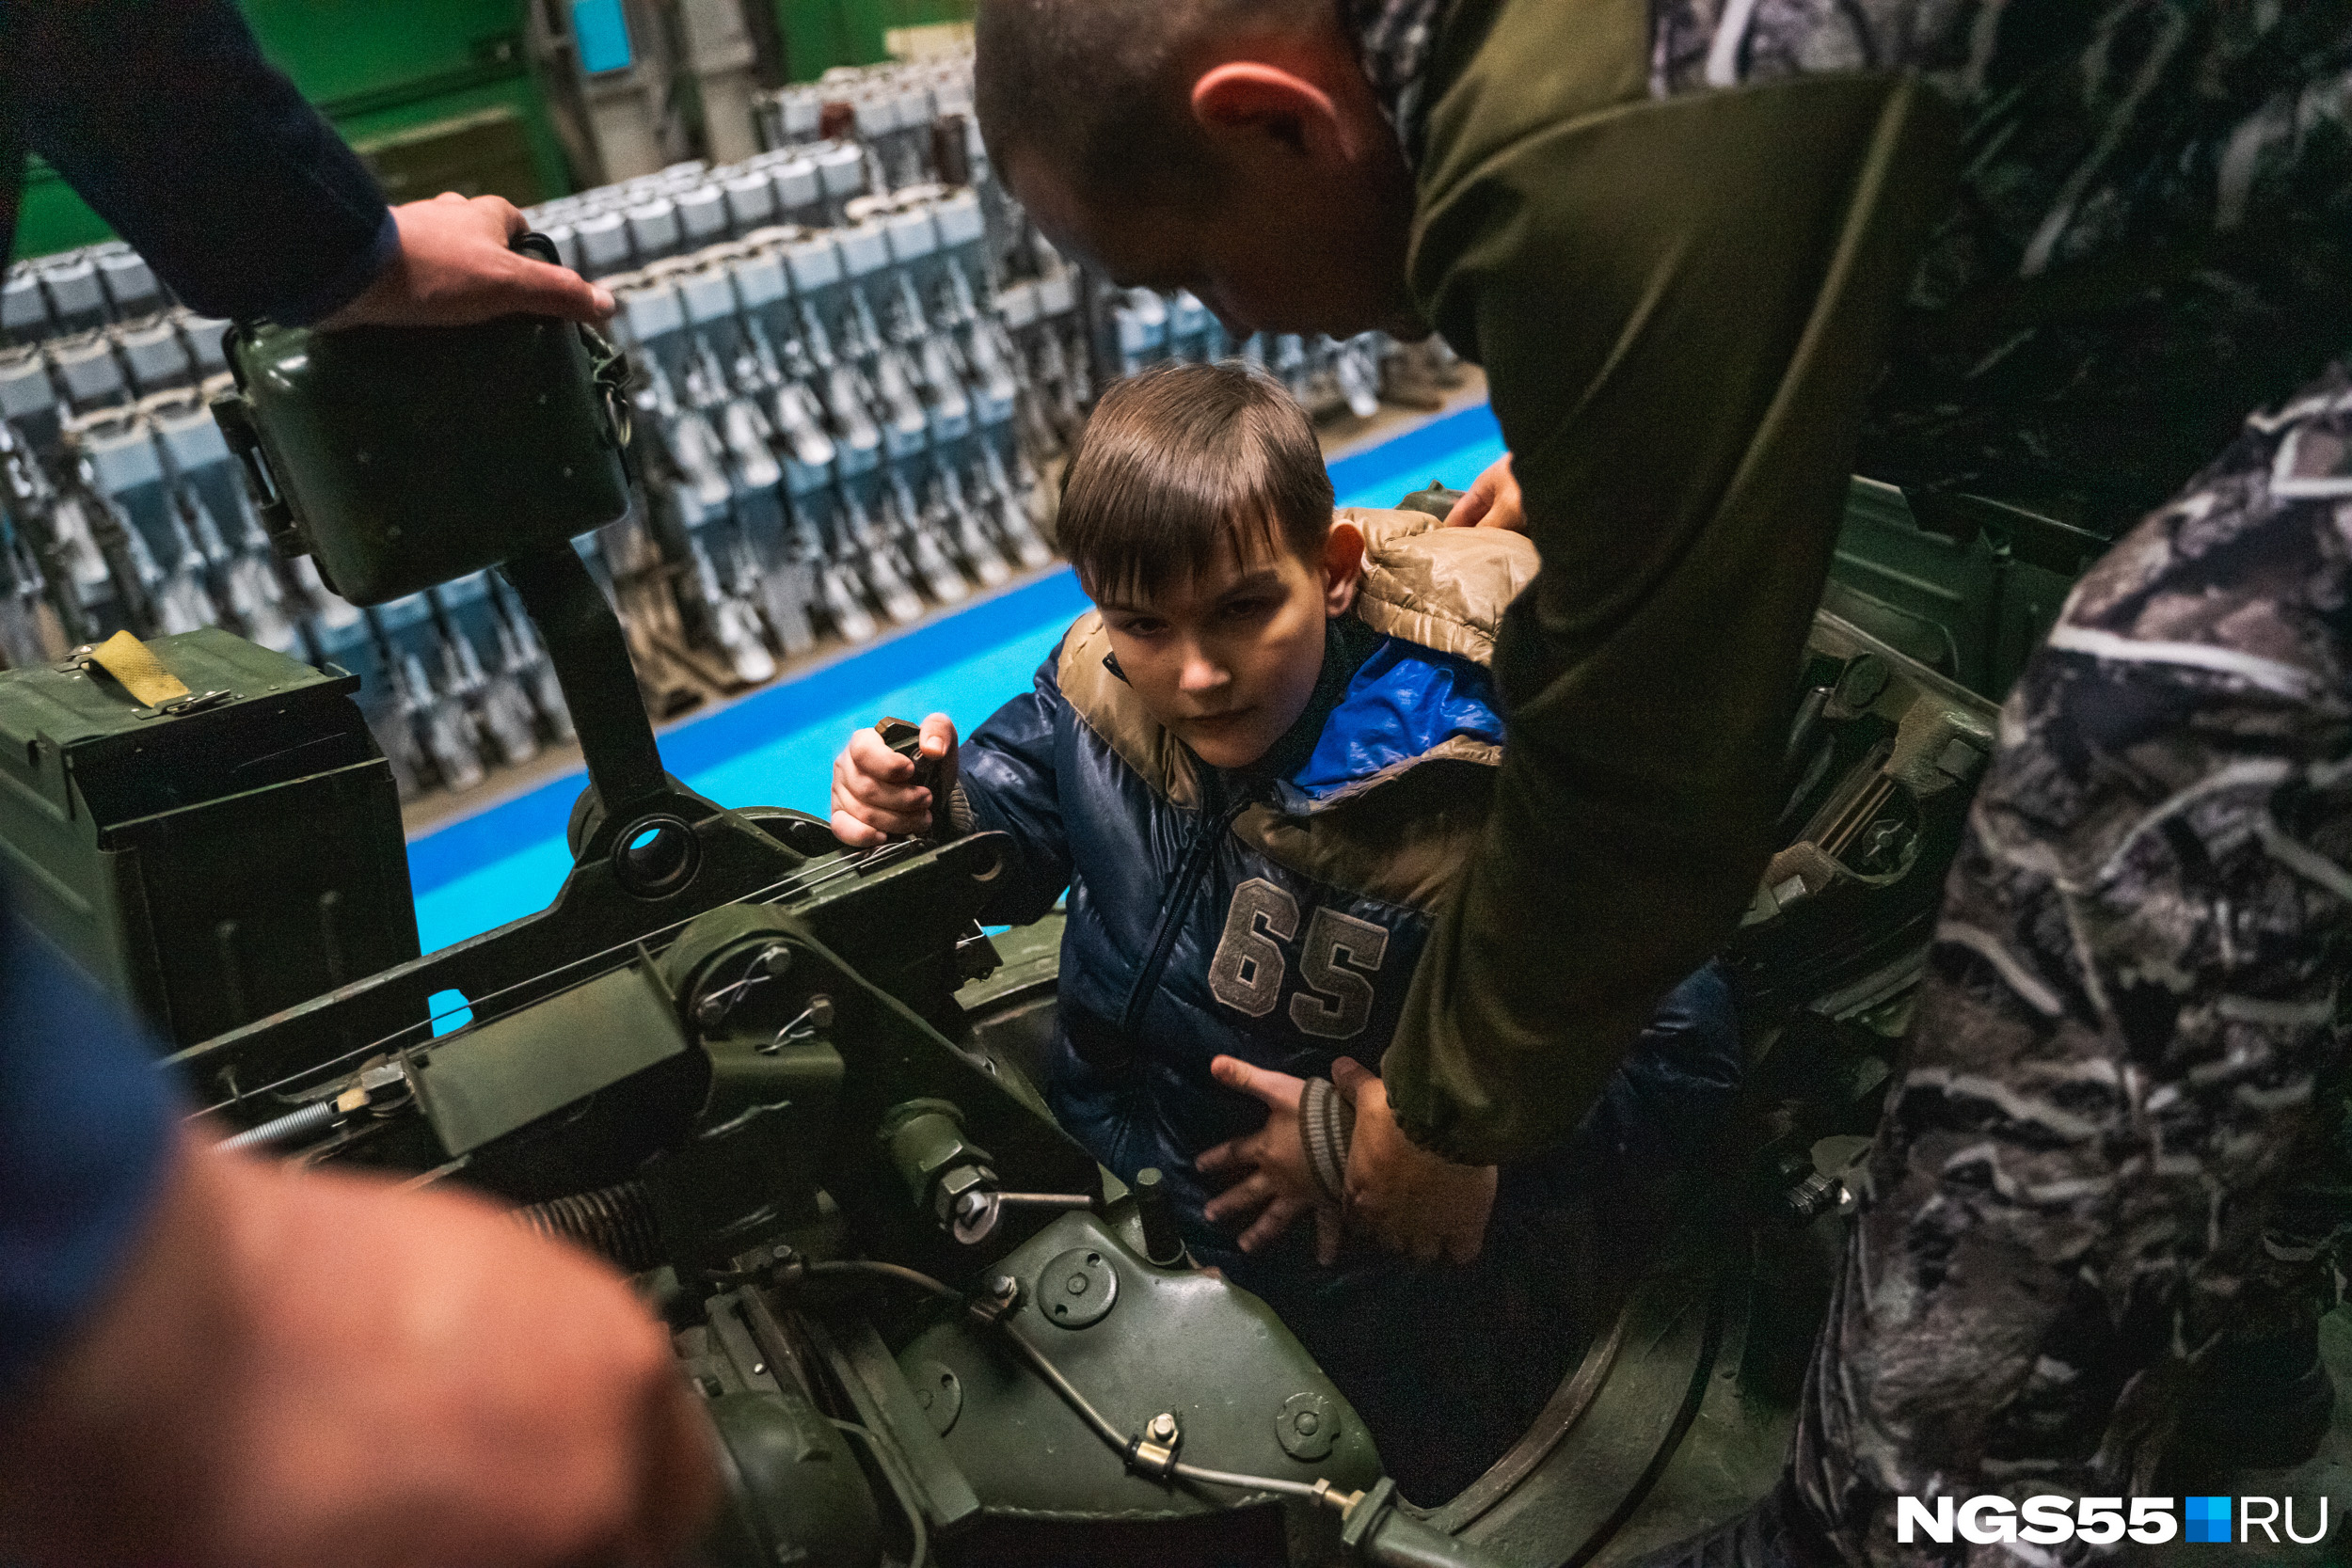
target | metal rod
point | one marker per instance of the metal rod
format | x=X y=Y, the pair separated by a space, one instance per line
x=1119 y=1440
x=888 y=1271
x=590 y=655
x=1045 y=1200
x=1319 y=1491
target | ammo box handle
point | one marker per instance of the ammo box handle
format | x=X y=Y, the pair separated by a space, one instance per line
x=607 y=364
x=235 y=419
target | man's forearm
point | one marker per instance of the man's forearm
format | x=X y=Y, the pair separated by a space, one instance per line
x=85 y=1134
x=166 y=120
x=1680 y=307
x=1548 y=967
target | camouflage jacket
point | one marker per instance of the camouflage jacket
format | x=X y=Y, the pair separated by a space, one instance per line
x=2154 y=234
x=2116 y=1134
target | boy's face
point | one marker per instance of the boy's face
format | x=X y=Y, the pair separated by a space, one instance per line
x=1226 y=661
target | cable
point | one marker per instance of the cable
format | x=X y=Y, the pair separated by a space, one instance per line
x=888 y=1271
x=1119 y=1442
x=1036 y=1359
x=1319 y=1492
x=890 y=1474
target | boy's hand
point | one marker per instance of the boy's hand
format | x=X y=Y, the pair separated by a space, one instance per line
x=1414 y=1202
x=874 y=792
x=1273 y=1181
x=1491 y=502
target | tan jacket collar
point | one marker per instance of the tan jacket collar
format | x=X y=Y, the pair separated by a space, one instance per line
x=1442 y=588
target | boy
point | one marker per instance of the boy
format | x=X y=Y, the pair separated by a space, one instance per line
x=1257 y=766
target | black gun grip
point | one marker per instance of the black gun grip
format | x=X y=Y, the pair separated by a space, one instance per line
x=907 y=740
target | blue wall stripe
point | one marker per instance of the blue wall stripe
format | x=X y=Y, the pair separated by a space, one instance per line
x=1416 y=456
x=706 y=739
x=1452 y=449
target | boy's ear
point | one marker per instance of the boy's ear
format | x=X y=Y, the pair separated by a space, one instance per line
x=1343 y=568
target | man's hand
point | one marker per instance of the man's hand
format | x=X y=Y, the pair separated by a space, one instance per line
x=299 y=1368
x=454 y=268
x=1412 y=1201
x=874 y=792
x=1491 y=502
x=1269 y=1166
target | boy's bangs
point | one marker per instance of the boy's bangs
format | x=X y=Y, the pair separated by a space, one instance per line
x=1187 y=469
x=1154 y=539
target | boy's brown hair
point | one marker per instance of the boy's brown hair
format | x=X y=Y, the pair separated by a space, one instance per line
x=1184 y=466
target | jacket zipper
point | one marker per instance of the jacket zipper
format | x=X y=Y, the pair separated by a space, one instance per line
x=1163 y=934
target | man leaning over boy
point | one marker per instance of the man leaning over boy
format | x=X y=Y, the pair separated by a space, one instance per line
x=1257 y=766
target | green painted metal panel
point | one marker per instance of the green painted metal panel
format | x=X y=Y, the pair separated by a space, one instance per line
x=821 y=34
x=339 y=50
x=52 y=217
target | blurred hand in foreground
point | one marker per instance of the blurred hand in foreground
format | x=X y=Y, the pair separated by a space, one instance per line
x=298 y=1368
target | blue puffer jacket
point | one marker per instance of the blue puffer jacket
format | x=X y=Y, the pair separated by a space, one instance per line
x=1279 y=920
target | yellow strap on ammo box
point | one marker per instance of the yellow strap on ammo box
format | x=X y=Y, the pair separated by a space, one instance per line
x=142 y=674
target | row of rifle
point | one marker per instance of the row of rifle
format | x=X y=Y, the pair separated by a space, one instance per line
x=829 y=427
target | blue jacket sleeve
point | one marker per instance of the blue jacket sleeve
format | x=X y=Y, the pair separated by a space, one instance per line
x=1007 y=774
x=165 y=117
x=84 y=1133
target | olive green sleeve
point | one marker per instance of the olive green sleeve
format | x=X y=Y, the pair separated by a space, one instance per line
x=1680 y=305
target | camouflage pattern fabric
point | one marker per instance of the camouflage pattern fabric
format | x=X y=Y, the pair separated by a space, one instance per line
x=2119 y=1131
x=2154 y=236
x=2126 y=1054
x=1392 y=41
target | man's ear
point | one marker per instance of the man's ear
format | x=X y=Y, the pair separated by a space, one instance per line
x=1343 y=568
x=1242 y=101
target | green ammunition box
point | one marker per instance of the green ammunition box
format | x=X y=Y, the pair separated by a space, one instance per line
x=214 y=860
x=401 y=457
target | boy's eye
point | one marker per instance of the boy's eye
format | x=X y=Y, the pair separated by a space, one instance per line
x=1141 y=625
x=1250 y=608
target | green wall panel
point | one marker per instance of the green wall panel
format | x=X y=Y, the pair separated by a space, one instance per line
x=821 y=34
x=52 y=217
x=343 y=49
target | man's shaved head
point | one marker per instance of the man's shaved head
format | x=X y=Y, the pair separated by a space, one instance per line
x=1092 y=89
x=1234 y=148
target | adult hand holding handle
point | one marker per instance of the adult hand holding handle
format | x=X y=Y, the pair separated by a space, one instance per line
x=454 y=267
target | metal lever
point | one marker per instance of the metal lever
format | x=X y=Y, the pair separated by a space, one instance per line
x=583 y=641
